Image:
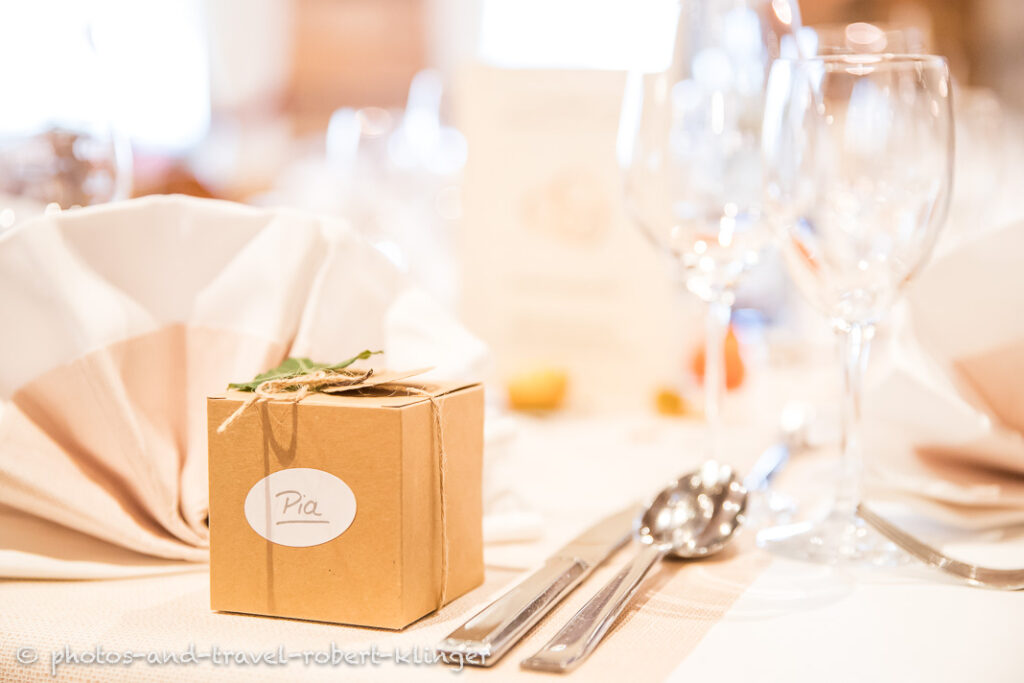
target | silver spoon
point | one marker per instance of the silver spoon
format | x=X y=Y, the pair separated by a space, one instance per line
x=693 y=517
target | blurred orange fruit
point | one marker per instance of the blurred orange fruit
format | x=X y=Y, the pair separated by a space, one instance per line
x=735 y=371
x=541 y=388
x=669 y=402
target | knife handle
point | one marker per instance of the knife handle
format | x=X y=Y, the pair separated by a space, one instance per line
x=581 y=635
x=491 y=632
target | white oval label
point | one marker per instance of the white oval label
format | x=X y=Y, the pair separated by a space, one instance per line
x=300 y=507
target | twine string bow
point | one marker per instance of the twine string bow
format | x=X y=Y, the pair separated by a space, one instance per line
x=294 y=388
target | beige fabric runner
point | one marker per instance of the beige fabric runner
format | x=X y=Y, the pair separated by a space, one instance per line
x=677 y=607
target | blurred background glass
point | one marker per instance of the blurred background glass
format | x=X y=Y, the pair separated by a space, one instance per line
x=863 y=37
x=198 y=74
x=472 y=140
x=59 y=144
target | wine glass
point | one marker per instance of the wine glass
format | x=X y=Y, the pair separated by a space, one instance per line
x=689 y=149
x=58 y=146
x=859 y=166
x=863 y=38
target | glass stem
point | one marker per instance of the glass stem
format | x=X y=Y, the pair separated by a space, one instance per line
x=719 y=313
x=855 y=346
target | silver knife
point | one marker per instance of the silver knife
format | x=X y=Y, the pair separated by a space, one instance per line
x=490 y=633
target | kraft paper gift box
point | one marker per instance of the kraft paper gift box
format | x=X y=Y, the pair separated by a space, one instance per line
x=330 y=509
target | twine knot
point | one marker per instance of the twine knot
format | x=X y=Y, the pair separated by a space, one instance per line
x=294 y=389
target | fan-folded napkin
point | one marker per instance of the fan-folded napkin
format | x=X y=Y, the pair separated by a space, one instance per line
x=120 y=319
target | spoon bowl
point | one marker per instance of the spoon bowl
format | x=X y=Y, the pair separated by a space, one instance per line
x=725 y=498
x=696 y=515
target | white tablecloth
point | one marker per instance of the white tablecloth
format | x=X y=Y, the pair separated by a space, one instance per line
x=795 y=622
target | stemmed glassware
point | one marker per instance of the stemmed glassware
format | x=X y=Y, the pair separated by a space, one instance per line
x=867 y=38
x=59 y=147
x=689 y=148
x=858 y=154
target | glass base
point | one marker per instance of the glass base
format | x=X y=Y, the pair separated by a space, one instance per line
x=837 y=540
x=769 y=509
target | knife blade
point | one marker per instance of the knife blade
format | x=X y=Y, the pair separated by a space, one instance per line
x=491 y=632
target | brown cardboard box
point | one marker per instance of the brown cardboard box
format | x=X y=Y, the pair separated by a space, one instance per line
x=277 y=469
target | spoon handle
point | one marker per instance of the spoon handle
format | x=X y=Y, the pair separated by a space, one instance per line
x=581 y=635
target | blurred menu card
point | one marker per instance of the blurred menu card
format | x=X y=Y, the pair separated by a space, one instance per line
x=553 y=271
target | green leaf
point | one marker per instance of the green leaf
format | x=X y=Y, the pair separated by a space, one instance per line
x=293 y=367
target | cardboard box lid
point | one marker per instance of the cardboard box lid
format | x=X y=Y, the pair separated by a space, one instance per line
x=370 y=397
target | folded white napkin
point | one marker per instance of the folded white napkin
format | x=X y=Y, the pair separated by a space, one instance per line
x=120 y=319
x=947 y=419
